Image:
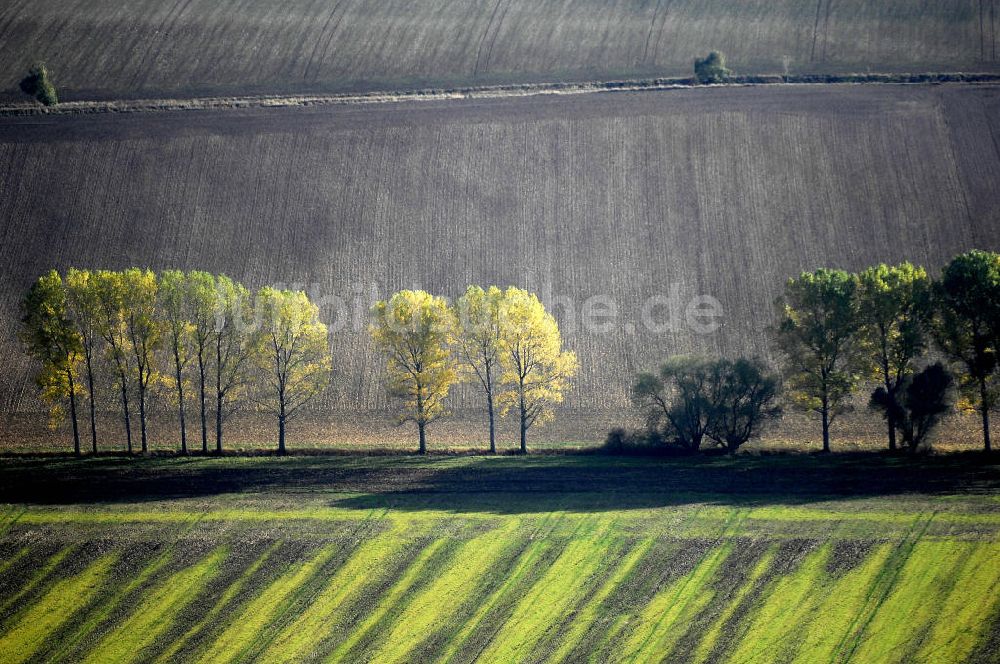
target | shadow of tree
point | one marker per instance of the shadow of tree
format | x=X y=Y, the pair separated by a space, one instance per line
x=503 y=484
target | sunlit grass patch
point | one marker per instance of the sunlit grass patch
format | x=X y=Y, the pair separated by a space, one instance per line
x=244 y=629
x=53 y=609
x=554 y=595
x=160 y=607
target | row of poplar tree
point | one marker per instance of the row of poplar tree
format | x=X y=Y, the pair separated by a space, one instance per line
x=837 y=330
x=208 y=334
x=188 y=330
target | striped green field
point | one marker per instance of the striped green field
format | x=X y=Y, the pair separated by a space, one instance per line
x=324 y=573
x=114 y=48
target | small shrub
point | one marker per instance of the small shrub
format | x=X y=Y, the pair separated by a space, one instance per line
x=39 y=85
x=711 y=69
x=621 y=440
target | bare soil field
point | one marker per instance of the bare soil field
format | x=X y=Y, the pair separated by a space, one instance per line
x=183 y=48
x=641 y=200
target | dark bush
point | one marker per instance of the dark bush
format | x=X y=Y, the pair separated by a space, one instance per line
x=923 y=400
x=39 y=85
x=711 y=69
x=696 y=398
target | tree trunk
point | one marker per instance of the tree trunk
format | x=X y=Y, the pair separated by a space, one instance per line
x=421 y=429
x=93 y=408
x=890 y=414
x=985 y=411
x=180 y=402
x=281 y=431
x=218 y=399
x=524 y=424
x=72 y=412
x=493 y=433
x=128 y=420
x=201 y=395
x=826 y=424
x=218 y=423
x=142 y=415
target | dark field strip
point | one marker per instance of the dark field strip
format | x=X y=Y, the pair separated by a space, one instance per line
x=199 y=47
x=292 y=572
x=721 y=192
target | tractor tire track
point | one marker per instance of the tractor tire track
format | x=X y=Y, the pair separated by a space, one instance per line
x=493 y=40
x=826 y=29
x=482 y=40
x=880 y=590
x=329 y=32
x=649 y=35
x=819 y=12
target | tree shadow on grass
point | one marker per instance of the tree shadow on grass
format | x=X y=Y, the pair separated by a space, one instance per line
x=577 y=483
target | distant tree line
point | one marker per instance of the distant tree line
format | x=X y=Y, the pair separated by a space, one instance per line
x=179 y=336
x=502 y=340
x=916 y=338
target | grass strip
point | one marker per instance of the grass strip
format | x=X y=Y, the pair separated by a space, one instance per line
x=56 y=607
x=238 y=639
x=234 y=589
x=159 y=608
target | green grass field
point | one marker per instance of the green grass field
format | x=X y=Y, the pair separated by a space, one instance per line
x=863 y=558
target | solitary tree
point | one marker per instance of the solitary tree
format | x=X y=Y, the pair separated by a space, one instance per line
x=50 y=337
x=415 y=330
x=143 y=328
x=536 y=369
x=711 y=69
x=114 y=330
x=965 y=323
x=203 y=302
x=680 y=401
x=893 y=311
x=479 y=342
x=83 y=307
x=233 y=341
x=175 y=313
x=816 y=335
x=38 y=84
x=294 y=354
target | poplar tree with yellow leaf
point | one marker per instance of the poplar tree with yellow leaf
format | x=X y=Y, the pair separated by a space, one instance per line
x=293 y=356
x=49 y=336
x=536 y=369
x=479 y=342
x=415 y=331
x=144 y=332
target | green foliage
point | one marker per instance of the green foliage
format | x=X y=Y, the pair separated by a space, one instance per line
x=39 y=85
x=817 y=336
x=293 y=357
x=415 y=330
x=144 y=332
x=966 y=327
x=233 y=344
x=893 y=312
x=49 y=336
x=711 y=69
